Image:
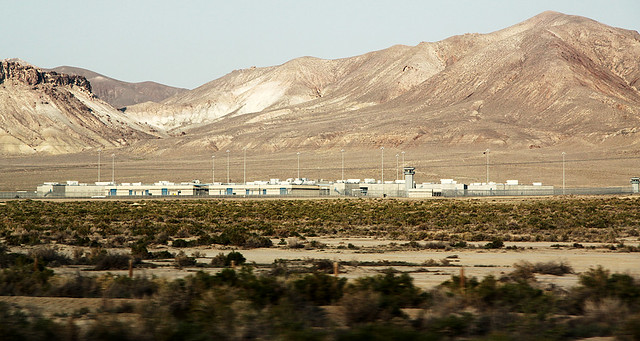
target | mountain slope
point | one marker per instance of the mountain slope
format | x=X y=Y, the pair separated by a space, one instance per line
x=57 y=113
x=118 y=93
x=549 y=79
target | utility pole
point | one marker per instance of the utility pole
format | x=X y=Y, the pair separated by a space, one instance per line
x=213 y=169
x=113 y=168
x=403 y=165
x=382 y=164
x=382 y=170
x=487 y=153
x=244 y=164
x=563 y=190
x=99 y=162
x=228 y=166
x=342 y=155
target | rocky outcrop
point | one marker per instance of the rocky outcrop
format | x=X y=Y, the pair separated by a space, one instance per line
x=30 y=75
x=54 y=113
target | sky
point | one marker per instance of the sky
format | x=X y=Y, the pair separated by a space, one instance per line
x=189 y=43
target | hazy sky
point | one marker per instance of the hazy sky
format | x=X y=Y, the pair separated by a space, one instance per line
x=188 y=43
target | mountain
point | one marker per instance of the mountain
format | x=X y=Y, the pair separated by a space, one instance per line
x=118 y=93
x=45 y=111
x=552 y=79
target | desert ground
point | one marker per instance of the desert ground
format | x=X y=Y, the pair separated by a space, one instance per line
x=88 y=265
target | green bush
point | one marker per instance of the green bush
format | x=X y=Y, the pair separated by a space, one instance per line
x=320 y=288
x=111 y=261
x=495 y=244
x=25 y=280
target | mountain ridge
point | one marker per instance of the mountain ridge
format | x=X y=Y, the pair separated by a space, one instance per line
x=548 y=79
x=120 y=93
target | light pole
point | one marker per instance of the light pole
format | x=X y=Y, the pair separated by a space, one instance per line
x=563 y=154
x=403 y=165
x=99 y=161
x=213 y=169
x=397 y=166
x=298 y=154
x=382 y=166
x=228 y=166
x=113 y=168
x=487 y=153
x=342 y=155
x=244 y=165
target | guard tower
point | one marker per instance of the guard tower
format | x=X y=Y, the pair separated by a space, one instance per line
x=635 y=185
x=409 y=172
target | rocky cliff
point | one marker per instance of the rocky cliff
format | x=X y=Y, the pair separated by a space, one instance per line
x=44 y=111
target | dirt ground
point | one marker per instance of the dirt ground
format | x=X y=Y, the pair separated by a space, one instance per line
x=476 y=262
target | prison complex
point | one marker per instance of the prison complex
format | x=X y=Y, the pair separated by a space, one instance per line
x=306 y=188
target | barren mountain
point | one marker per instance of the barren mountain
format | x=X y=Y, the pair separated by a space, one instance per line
x=118 y=93
x=552 y=79
x=56 y=113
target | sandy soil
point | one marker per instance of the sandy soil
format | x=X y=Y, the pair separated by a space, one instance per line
x=476 y=262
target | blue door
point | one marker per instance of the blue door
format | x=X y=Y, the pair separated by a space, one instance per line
x=264 y=191
x=229 y=191
x=146 y=192
x=247 y=192
x=283 y=191
x=130 y=192
x=165 y=191
x=113 y=191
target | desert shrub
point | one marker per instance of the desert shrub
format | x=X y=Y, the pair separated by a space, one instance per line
x=381 y=332
x=182 y=260
x=225 y=260
x=77 y=286
x=126 y=287
x=25 y=280
x=553 y=268
x=219 y=260
x=361 y=306
x=109 y=328
x=494 y=244
x=139 y=250
x=182 y=243
x=232 y=235
x=16 y=325
x=450 y=326
x=164 y=254
x=295 y=243
x=236 y=257
x=435 y=245
x=255 y=241
x=323 y=265
x=458 y=244
x=395 y=292
x=320 y=288
x=110 y=261
x=49 y=255
x=597 y=284
x=525 y=270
